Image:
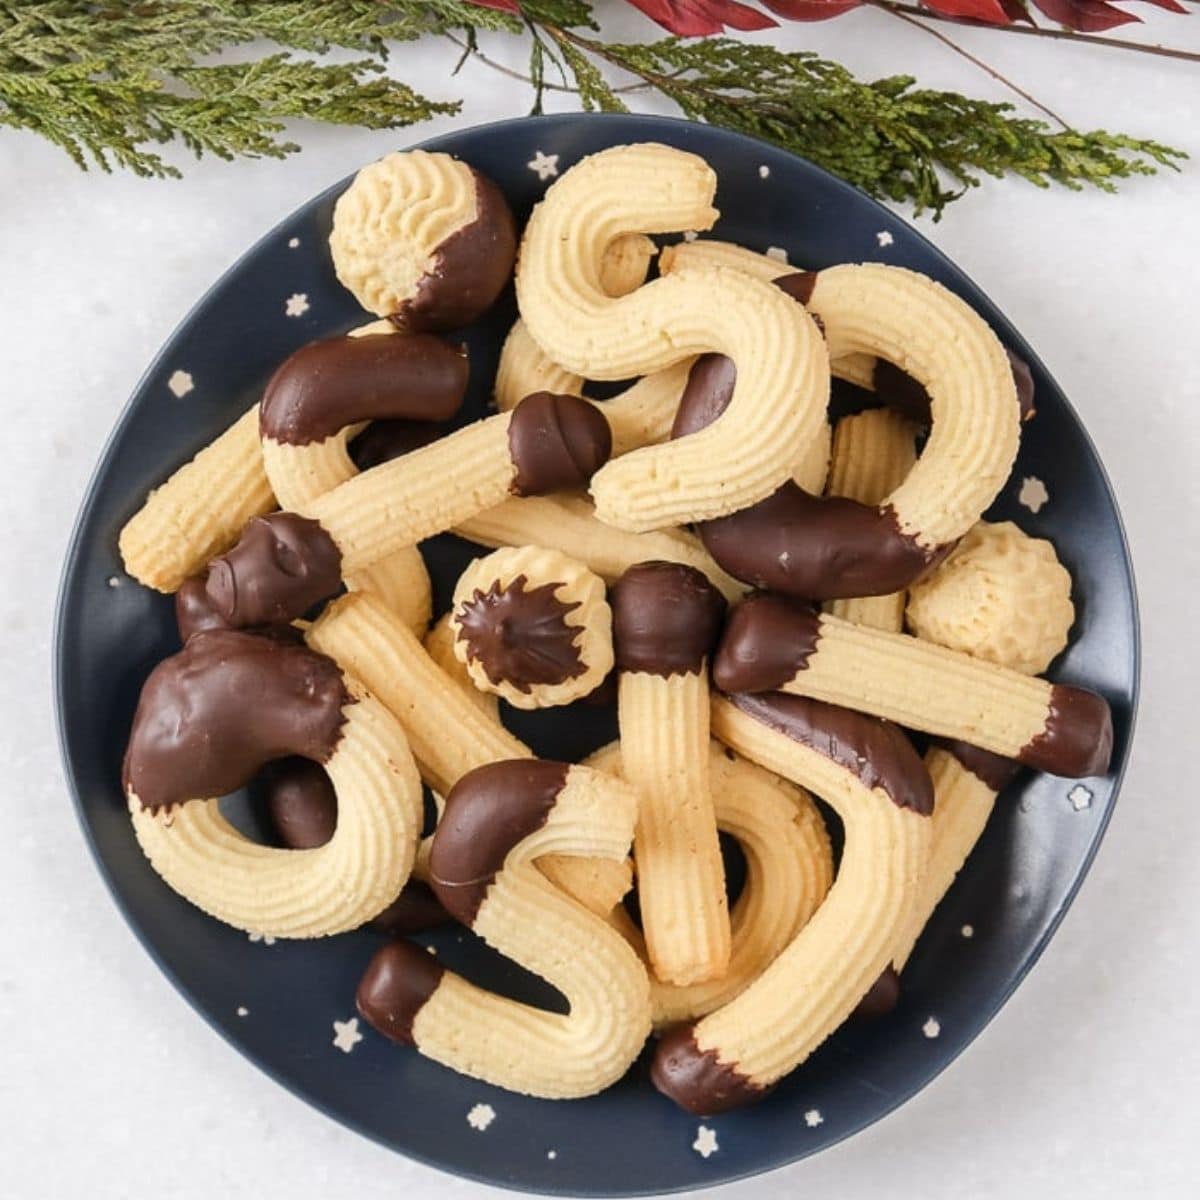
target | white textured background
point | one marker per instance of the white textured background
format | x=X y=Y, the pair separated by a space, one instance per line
x=1085 y=1085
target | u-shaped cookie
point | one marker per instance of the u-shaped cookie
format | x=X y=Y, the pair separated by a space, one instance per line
x=499 y=819
x=208 y=718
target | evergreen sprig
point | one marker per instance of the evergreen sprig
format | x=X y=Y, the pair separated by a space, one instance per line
x=108 y=82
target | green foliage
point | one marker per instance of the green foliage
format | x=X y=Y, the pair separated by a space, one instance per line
x=107 y=82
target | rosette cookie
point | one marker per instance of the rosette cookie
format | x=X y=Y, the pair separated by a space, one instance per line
x=789 y=869
x=424 y=240
x=499 y=819
x=782 y=389
x=775 y=644
x=547 y=443
x=871 y=775
x=208 y=718
x=666 y=619
x=533 y=626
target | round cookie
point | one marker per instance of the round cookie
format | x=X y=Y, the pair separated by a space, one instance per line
x=533 y=626
x=1002 y=596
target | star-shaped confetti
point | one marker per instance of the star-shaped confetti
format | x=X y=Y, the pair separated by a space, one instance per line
x=113 y=581
x=551 y=1154
x=265 y=938
x=968 y=931
x=764 y=172
x=690 y=236
x=243 y=1011
x=813 y=1118
x=1080 y=797
x=931 y=1028
x=346 y=1035
x=706 y=1141
x=1033 y=494
x=777 y=253
x=481 y=1116
x=884 y=238
x=293 y=243
x=544 y=166
x=180 y=384
x=297 y=305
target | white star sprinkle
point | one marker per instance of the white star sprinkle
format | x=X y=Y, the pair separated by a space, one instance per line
x=481 y=1116
x=931 y=1028
x=293 y=243
x=265 y=938
x=243 y=1011
x=777 y=253
x=544 y=166
x=968 y=931
x=297 y=305
x=764 y=172
x=813 y=1118
x=551 y=1154
x=180 y=384
x=1033 y=494
x=706 y=1141
x=1080 y=797
x=884 y=238
x=113 y=581
x=690 y=236
x=346 y=1035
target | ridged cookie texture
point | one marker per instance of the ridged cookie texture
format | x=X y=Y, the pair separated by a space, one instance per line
x=874 y=779
x=532 y=625
x=439 y=645
x=789 y=869
x=498 y=821
x=783 y=383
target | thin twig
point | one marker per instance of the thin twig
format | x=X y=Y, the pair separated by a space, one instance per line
x=1089 y=39
x=896 y=11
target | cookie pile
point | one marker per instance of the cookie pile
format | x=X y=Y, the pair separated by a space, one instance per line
x=775 y=605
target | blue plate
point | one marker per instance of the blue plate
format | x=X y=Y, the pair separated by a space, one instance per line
x=277 y=1003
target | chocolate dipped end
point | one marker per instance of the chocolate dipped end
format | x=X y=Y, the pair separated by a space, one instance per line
x=556 y=443
x=875 y=751
x=798 y=284
x=339 y=381
x=470 y=268
x=881 y=998
x=398 y=981
x=383 y=441
x=696 y=1080
x=707 y=394
x=282 y=565
x=666 y=618
x=194 y=611
x=210 y=716
x=521 y=636
x=413 y=911
x=817 y=548
x=488 y=811
x=1077 y=739
x=767 y=640
x=301 y=803
x=993 y=770
x=899 y=391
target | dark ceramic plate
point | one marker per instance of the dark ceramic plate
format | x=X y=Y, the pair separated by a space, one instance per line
x=277 y=1003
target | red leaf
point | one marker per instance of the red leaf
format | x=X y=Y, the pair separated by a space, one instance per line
x=1169 y=5
x=989 y=11
x=811 y=10
x=1085 y=16
x=508 y=6
x=1015 y=10
x=699 y=18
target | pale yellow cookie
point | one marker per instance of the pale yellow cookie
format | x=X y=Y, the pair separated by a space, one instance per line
x=872 y=453
x=782 y=388
x=533 y=626
x=439 y=645
x=483 y=872
x=1001 y=595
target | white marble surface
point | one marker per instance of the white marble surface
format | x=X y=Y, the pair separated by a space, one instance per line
x=1085 y=1085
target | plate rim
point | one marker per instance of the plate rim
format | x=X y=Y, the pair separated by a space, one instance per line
x=72 y=553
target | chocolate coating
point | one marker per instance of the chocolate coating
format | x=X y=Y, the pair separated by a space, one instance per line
x=1078 y=736
x=696 y=1080
x=413 y=911
x=881 y=999
x=994 y=770
x=398 y=980
x=488 y=811
x=470 y=268
x=666 y=618
x=521 y=636
x=282 y=565
x=194 y=611
x=338 y=381
x=707 y=394
x=556 y=443
x=301 y=803
x=876 y=751
x=799 y=285
x=767 y=639
x=382 y=441
x=897 y=390
x=818 y=548
x=210 y=716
